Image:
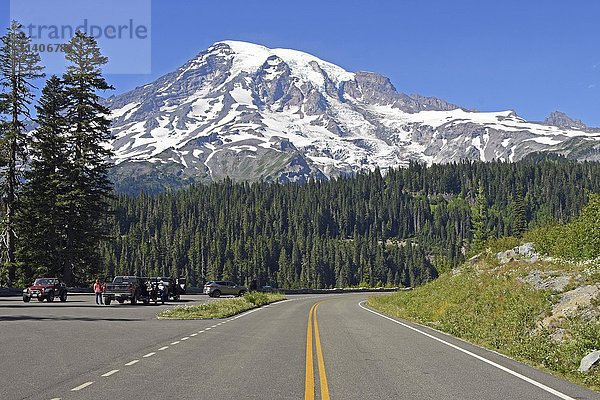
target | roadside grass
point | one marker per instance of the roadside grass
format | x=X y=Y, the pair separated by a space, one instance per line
x=486 y=304
x=223 y=308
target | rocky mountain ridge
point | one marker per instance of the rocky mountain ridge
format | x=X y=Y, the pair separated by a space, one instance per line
x=247 y=112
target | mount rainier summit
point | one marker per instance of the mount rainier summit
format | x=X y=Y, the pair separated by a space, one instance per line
x=247 y=112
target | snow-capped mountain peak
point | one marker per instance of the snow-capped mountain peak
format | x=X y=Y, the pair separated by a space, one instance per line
x=249 y=112
x=250 y=57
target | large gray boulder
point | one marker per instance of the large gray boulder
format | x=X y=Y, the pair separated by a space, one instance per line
x=589 y=361
x=526 y=252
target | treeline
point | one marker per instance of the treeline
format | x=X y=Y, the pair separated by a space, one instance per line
x=397 y=229
x=54 y=179
x=576 y=240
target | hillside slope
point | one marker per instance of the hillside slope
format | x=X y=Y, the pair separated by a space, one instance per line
x=542 y=312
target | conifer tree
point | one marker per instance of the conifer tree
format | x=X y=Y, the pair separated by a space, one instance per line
x=42 y=216
x=89 y=186
x=19 y=67
x=479 y=219
x=519 y=223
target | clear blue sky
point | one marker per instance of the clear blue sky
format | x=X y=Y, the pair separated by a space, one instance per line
x=530 y=56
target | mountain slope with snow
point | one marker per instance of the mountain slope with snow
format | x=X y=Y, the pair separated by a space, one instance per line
x=247 y=112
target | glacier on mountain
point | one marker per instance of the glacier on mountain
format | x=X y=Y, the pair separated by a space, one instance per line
x=247 y=112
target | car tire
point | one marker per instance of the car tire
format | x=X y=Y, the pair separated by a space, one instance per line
x=40 y=299
x=134 y=300
x=63 y=297
x=241 y=293
x=216 y=293
x=121 y=301
x=26 y=299
x=108 y=300
x=50 y=297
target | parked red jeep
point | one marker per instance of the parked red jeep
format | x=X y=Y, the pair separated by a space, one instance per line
x=45 y=288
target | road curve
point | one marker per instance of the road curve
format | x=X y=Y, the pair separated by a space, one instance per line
x=311 y=347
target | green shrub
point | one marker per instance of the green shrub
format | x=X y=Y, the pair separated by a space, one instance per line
x=497 y=245
x=577 y=240
x=221 y=308
x=259 y=298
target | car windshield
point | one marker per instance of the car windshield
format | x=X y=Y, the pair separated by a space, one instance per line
x=43 y=282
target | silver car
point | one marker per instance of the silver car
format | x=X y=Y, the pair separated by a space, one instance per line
x=217 y=288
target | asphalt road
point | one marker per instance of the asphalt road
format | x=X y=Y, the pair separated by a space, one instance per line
x=326 y=346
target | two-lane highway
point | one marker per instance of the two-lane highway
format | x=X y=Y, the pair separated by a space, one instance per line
x=312 y=331
x=307 y=347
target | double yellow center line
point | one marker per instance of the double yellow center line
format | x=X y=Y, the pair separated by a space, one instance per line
x=309 y=384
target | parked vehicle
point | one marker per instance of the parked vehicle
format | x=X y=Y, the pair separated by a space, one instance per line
x=130 y=288
x=45 y=289
x=218 y=288
x=173 y=287
x=157 y=290
x=266 y=289
x=182 y=285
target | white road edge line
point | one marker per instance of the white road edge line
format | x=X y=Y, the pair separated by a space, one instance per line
x=194 y=334
x=56 y=398
x=130 y=363
x=202 y=331
x=175 y=342
x=163 y=348
x=82 y=386
x=485 y=360
x=149 y=355
x=185 y=338
x=109 y=373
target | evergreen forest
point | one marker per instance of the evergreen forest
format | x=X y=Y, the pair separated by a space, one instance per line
x=401 y=228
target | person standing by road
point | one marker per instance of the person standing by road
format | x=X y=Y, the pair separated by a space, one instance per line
x=98 y=291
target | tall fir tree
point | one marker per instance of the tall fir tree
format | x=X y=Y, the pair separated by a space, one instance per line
x=42 y=216
x=86 y=201
x=479 y=215
x=19 y=67
x=519 y=221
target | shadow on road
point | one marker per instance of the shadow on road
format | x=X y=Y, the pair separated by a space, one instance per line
x=84 y=304
x=48 y=305
x=140 y=305
x=9 y=318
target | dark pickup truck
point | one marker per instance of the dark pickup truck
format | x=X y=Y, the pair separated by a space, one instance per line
x=130 y=288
